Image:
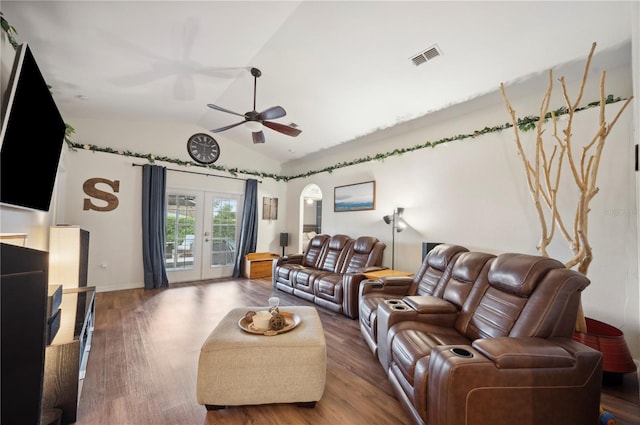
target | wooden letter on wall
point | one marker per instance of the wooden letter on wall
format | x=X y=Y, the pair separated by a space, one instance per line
x=90 y=189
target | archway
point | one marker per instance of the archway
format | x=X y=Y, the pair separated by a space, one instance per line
x=310 y=215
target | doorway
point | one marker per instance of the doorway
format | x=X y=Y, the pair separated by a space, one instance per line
x=201 y=234
x=310 y=215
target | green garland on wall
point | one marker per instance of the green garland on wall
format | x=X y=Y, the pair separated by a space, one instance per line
x=9 y=30
x=525 y=124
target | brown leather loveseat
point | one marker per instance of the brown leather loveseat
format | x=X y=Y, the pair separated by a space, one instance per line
x=329 y=272
x=494 y=347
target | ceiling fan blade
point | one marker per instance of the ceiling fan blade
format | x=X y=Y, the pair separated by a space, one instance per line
x=219 y=108
x=190 y=30
x=272 y=113
x=258 y=137
x=184 y=89
x=284 y=129
x=226 y=127
x=221 y=72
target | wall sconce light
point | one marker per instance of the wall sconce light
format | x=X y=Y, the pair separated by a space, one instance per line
x=397 y=225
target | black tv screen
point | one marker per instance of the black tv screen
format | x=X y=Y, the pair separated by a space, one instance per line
x=32 y=136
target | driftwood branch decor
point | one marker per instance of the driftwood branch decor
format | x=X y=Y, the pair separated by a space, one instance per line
x=544 y=169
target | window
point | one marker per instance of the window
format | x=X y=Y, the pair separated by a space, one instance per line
x=225 y=218
x=180 y=231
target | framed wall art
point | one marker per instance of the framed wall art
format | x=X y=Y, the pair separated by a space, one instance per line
x=355 y=197
x=269 y=208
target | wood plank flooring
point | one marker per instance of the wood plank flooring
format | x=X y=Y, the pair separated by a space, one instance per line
x=144 y=354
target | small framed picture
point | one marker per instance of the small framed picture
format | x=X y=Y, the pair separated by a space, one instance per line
x=269 y=208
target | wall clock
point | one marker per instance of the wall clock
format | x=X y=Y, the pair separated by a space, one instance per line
x=203 y=148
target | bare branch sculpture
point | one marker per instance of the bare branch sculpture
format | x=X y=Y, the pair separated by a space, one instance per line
x=543 y=172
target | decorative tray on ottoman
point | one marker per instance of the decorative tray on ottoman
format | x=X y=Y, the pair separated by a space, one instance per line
x=291 y=321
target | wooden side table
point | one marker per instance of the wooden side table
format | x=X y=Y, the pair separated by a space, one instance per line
x=386 y=272
x=258 y=264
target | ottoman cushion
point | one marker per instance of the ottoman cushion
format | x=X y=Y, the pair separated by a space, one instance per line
x=239 y=368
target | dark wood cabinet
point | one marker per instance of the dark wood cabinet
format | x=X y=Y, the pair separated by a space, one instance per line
x=66 y=357
x=23 y=306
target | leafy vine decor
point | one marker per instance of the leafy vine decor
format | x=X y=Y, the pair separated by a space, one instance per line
x=523 y=124
x=544 y=169
x=9 y=30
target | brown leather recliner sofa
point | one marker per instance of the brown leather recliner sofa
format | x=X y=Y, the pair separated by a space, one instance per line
x=329 y=272
x=492 y=345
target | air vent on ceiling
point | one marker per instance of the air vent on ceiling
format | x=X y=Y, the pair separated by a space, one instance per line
x=427 y=55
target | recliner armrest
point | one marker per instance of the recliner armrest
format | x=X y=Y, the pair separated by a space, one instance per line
x=516 y=353
x=289 y=259
x=394 y=285
x=351 y=287
x=425 y=304
x=459 y=388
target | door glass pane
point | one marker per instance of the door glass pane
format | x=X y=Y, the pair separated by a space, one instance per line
x=180 y=231
x=223 y=231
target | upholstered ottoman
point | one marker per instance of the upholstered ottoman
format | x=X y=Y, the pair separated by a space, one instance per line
x=240 y=368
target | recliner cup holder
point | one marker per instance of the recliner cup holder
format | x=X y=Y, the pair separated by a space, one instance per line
x=461 y=352
x=399 y=307
x=394 y=302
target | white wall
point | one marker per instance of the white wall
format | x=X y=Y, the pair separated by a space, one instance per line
x=635 y=67
x=473 y=192
x=115 y=255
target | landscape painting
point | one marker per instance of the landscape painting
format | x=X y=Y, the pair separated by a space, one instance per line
x=355 y=197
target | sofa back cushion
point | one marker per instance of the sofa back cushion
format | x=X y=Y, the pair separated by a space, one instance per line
x=469 y=267
x=552 y=309
x=314 y=250
x=335 y=253
x=522 y=295
x=435 y=270
x=366 y=251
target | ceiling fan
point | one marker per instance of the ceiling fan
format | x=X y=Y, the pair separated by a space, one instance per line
x=183 y=68
x=255 y=120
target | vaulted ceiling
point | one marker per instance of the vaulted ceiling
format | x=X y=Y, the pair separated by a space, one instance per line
x=340 y=69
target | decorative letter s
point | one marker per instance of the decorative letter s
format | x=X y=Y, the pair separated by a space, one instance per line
x=90 y=189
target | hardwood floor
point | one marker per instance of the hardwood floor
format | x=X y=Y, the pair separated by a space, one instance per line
x=144 y=354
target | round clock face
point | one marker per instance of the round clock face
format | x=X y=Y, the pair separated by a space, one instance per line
x=203 y=148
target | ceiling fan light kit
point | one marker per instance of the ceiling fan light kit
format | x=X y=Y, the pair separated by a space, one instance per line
x=255 y=121
x=253 y=125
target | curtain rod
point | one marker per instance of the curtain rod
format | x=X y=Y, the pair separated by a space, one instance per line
x=201 y=174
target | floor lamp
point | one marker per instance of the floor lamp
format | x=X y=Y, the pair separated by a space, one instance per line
x=397 y=225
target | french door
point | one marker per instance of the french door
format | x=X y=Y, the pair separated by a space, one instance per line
x=201 y=234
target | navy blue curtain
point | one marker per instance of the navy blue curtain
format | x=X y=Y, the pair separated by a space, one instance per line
x=249 y=228
x=154 y=216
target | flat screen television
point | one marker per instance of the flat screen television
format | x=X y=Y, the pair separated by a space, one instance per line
x=32 y=136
